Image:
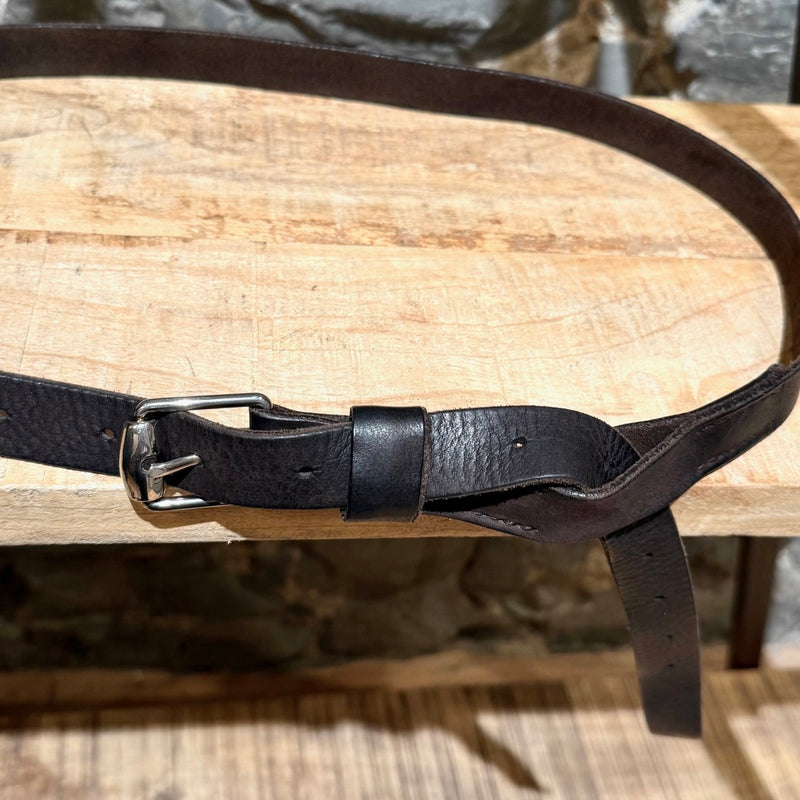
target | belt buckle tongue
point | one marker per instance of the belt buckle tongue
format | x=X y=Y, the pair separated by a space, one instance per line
x=142 y=474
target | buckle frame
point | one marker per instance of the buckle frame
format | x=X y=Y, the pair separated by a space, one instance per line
x=141 y=472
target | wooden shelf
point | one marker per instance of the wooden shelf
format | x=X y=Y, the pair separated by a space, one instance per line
x=165 y=238
x=567 y=735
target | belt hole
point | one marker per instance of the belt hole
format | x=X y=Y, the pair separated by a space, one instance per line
x=108 y=434
x=669 y=637
x=304 y=473
x=660 y=597
x=519 y=442
x=670 y=666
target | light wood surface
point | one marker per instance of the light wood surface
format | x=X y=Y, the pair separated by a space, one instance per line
x=167 y=238
x=572 y=737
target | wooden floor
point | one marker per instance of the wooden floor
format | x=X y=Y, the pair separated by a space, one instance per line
x=579 y=738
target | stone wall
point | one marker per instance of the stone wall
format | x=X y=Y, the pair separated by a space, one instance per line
x=249 y=605
x=706 y=49
x=256 y=605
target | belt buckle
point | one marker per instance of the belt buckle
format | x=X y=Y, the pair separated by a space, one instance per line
x=142 y=474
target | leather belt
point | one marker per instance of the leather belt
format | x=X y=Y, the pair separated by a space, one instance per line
x=547 y=474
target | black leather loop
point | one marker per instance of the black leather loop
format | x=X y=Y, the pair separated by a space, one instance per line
x=388 y=463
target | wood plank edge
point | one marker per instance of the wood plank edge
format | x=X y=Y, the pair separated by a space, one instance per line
x=103 y=515
x=31 y=690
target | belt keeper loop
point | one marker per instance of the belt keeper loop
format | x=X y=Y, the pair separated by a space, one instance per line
x=389 y=463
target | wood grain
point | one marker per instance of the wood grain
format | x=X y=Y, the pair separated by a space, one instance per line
x=165 y=238
x=562 y=738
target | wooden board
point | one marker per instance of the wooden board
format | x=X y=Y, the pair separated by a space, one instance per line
x=70 y=689
x=564 y=738
x=165 y=238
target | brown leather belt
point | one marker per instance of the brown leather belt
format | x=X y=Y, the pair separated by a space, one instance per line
x=547 y=474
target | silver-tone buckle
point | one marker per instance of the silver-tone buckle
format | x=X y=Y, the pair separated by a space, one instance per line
x=142 y=474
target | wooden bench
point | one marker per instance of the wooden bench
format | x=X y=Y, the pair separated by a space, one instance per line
x=163 y=238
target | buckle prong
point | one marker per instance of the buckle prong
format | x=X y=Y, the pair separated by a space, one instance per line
x=143 y=474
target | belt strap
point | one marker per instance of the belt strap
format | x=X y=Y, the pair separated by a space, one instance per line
x=547 y=474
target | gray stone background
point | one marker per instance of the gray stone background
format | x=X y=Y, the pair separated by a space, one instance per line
x=260 y=605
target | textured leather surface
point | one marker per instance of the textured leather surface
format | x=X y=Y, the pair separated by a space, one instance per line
x=389 y=463
x=541 y=473
x=660 y=608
